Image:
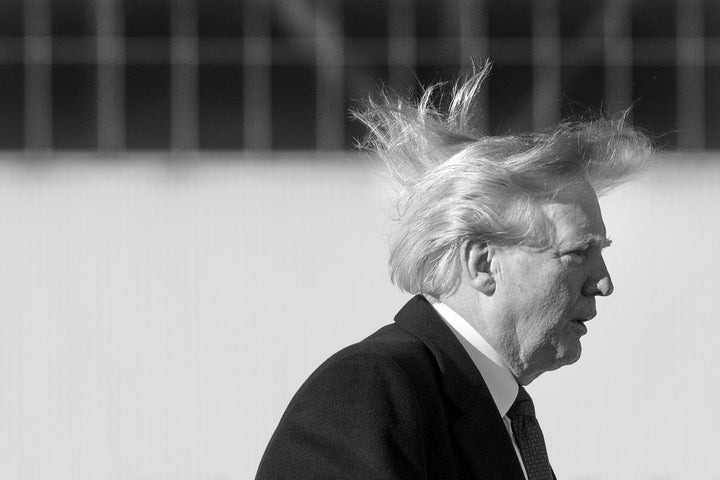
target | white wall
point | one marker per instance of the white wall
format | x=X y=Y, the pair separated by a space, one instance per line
x=156 y=320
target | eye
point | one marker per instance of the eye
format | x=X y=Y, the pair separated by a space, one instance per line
x=579 y=254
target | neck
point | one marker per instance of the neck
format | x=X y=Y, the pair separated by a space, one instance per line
x=469 y=306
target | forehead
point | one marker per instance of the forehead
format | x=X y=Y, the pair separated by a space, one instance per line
x=575 y=214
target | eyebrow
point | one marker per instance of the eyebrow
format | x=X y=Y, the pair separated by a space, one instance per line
x=589 y=240
x=599 y=240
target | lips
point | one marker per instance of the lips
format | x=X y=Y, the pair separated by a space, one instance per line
x=585 y=318
x=579 y=325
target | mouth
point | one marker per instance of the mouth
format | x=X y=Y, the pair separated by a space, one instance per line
x=585 y=318
x=579 y=324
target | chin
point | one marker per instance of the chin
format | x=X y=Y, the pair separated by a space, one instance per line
x=571 y=355
x=566 y=355
x=554 y=359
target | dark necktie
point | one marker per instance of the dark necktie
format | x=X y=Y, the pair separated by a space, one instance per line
x=529 y=438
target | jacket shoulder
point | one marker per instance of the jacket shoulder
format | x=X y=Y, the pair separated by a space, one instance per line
x=393 y=349
x=361 y=414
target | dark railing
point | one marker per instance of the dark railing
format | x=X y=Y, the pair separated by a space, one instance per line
x=258 y=75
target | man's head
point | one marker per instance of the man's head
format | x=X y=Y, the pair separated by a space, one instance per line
x=531 y=303
x=506 y=229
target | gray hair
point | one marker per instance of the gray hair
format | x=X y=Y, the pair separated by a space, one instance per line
x=457 y=185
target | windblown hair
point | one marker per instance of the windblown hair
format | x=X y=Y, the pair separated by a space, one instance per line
x=456 y=184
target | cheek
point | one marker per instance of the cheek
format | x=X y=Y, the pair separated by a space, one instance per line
x=552 y=301
x=539 y=292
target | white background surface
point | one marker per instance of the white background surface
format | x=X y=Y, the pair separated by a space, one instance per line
x=156 y=320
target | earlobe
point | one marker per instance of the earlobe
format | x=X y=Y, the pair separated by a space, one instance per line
x=478 y=267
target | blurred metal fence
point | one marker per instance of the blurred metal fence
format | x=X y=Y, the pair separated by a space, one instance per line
x=189 y=75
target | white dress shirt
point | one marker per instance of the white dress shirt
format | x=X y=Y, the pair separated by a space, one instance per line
x=500 y=381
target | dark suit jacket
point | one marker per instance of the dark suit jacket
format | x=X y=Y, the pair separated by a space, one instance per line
x=405 y=403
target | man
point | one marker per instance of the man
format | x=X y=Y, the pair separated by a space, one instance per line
x=501 y=240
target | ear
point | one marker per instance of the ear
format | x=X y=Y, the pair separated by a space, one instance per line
x=476 y=263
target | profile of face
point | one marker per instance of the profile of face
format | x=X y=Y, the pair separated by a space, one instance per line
x=544 y=297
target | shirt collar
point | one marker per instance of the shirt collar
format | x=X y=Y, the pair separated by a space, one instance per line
x=500 y=381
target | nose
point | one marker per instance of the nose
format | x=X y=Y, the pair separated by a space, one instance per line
x=599 y=282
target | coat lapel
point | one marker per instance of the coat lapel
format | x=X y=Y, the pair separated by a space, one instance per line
x=479 y=429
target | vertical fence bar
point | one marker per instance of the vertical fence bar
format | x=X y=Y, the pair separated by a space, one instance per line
x=473 y=22
x=257 y=59
x=37 y=53
x=618 y=56
x=546 y=55
x=330 y=74
x=184 y=77
x=474 y=49
x=690 y=75
x=402 y=54
x=111 y=81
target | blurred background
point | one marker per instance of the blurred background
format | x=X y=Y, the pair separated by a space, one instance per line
x=188 y=231
x=226 y=75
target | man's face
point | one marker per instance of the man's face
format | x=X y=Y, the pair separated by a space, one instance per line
x=545 y=296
